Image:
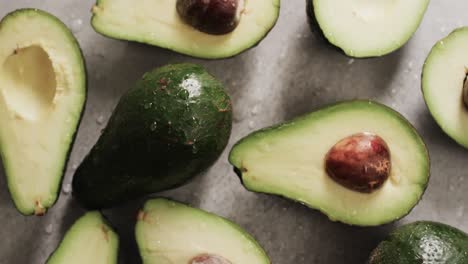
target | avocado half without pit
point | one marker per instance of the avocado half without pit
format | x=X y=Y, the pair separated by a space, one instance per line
x=366 y=28
x=42 y=95
x=172 y=232
x=208 y=29
x=445 y=85
x=423 y=242
x=359 y=162
x=172 y=126
x=90 y=240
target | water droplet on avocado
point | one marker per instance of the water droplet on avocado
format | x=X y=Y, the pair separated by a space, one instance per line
x=194 y=149
x=154 y=126
x=147 y=105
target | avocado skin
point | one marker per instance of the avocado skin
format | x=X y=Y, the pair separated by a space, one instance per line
x=423 y=242
x=316 y=29
x=158 y=137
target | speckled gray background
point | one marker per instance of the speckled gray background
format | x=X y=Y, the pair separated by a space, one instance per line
x=291 y=72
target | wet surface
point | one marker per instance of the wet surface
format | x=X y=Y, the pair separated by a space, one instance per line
x=290 y=73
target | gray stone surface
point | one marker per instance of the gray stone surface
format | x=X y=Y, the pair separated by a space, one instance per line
x=291 y=72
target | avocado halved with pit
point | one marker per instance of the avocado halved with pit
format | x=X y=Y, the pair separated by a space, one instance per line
x=172 y=232
x=42 y=95
x=188 y=27
x=90 y=240
x=366 y=28
x=423 y=242
x=359 y=162
x=171 y=126
x=445 y=85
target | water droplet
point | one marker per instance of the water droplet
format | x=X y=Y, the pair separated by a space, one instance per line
x=460 y=211
x=393 y=91
x=251 y=124
x=76 y=25
x=66 y=188
x=100 y=120
x=441 y=43
x=254 y=111
x=154 y=126
x=49 y=229
x=351 y=61
x=147 y=105
x=74 y=166
x=194 y=149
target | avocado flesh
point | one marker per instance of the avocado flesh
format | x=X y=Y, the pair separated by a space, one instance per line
x=443 y=78
x=158 y=23
x=368 y=28
x=423 y=242
x=289 y=160
x=173 y=125
x=42 y=94
x=171 y=232
x=90 y=240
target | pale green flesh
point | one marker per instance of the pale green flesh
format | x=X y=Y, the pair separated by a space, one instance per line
x=169 y=232
x=444 y=74
x=369 y=28
x=90 y=240
x=42 y=93
x=158 y=23
x=289 y=160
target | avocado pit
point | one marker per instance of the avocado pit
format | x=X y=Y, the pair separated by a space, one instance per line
x=209 y=259
x=216 y=17
x=360 y=162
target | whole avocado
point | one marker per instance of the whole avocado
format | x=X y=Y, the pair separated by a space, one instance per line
x=423 y=242
x=173 y=125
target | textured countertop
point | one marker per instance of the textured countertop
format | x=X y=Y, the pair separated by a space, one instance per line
x=290 y=73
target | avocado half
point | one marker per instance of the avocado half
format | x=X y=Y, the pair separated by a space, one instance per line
x=171 y=232
x=366 y=28
x=423 y=242
x=289 y=160
x=42 y=96
x=90 y=240
x=158 y=23
x=444 y=83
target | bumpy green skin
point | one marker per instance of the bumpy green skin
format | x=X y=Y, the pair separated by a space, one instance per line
x=423 y=242
x=158 y=137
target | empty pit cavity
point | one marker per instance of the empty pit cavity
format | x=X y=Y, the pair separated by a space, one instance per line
x=28 y=82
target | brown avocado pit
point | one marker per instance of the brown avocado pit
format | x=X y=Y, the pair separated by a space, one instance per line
x=216 y=17
x=465 y=91
x=360 y=162
x=209 y=259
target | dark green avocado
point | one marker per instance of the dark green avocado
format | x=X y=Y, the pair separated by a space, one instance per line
x=173 y=125
x=423 y=242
